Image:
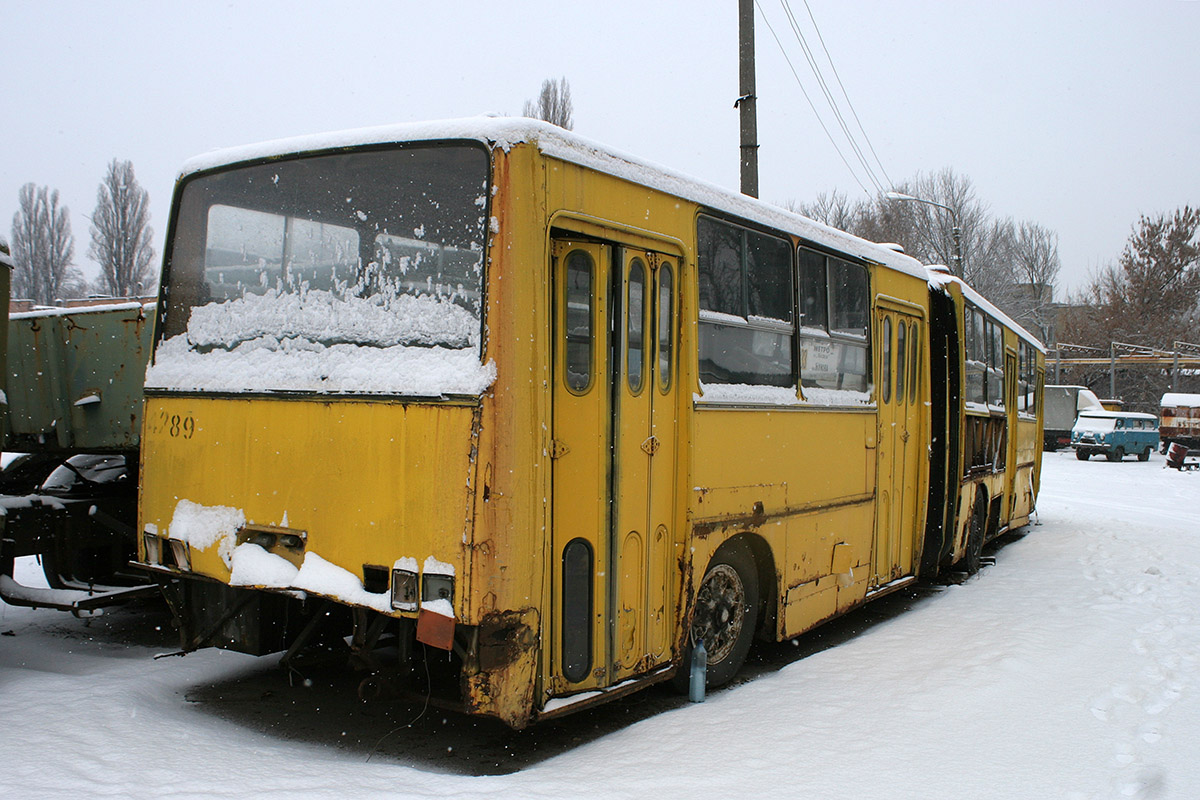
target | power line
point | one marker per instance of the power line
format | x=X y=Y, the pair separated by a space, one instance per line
x=829 y=58
x=804 y=91
x=829 y=98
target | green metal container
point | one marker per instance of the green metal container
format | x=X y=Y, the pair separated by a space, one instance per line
x=75 y=378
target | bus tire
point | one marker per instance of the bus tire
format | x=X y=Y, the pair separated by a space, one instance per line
x=725 y=615
x=1082 y=455
x=1116 y=454
x=1145 y=454
x=972 y=559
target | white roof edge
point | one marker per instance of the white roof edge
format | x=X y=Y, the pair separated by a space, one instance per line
x=1105 y=414
x=1180 y=400
x=556 y=142
x=58 y=311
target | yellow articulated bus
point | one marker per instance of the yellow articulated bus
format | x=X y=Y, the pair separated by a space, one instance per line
x=519 y=420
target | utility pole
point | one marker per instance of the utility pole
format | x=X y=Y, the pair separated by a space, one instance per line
x=746 y=102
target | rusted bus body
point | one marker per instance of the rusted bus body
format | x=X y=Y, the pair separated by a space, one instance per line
x=1179 y=420
x=996 y=394
x=692 y=392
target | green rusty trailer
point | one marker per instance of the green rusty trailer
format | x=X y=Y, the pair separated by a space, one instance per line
x=72 y=407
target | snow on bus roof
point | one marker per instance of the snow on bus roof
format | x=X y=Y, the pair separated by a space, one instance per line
x=938 y=276
x=555 y=142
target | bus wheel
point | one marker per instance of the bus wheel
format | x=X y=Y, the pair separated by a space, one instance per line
x=972 y=560
x=1116 y=454
x=1145 y=454
x=1082 y=455
x=725 y=615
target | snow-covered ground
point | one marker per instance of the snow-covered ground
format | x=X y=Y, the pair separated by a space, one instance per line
x=1069 y=669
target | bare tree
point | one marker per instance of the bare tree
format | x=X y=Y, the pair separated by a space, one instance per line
x=833 y=209
x=42 y=248
x=1035 y=264
x=1151 y=296
x=121 y=232
x=553 y=104
x=1013 y=265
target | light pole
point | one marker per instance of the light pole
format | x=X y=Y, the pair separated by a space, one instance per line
x=957 y=267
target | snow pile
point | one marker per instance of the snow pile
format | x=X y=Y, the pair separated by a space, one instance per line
x=751 y=394
x=819 y=396
x=747 y=394
x=270 y=364
x=327 y=318
x=203 y=526
x=254 y=566
x=391 y=342
x=329 y=580
x=435 y=567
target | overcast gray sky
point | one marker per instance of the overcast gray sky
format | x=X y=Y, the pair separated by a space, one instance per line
x=1077 y=115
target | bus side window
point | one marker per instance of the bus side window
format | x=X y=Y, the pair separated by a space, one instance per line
x=913 y=362
x=835 y=301
x=579 y=315
x=901 y=359
x=635 y=340
x=746 y=305
x=886 y=366
x=666 y=325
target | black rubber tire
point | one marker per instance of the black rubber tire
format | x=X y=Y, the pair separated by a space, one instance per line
x=1082 y=455
x=1145 y=454
x=725 y=614
x=972 y=559
x=1115 y=454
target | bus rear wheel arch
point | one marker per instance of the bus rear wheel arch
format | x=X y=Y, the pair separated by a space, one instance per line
x=724 y=615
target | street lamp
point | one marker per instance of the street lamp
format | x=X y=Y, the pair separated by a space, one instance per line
x=956 y=231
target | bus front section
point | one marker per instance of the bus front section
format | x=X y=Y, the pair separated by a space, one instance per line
x=314 y=406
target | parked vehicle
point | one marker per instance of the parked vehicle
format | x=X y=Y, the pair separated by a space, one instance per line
x=1062 y=406
x=77 y=518
x=1114 y=434
x=73 y=392
x=1180 y=420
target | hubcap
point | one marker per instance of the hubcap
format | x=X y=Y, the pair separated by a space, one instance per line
x=720 y=612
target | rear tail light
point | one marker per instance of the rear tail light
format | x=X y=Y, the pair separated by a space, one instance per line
x=180 y=554
x=151 y=548
x=437 y=587
x=404 y=590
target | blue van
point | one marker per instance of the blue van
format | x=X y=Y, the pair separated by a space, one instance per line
x=1114 y=434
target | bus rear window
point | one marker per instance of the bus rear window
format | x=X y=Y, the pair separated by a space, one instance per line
x=350 y=272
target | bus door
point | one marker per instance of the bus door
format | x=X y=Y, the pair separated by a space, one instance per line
x=900 y=400
x=613 y=456
x=644 y=458
x=581 y=463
